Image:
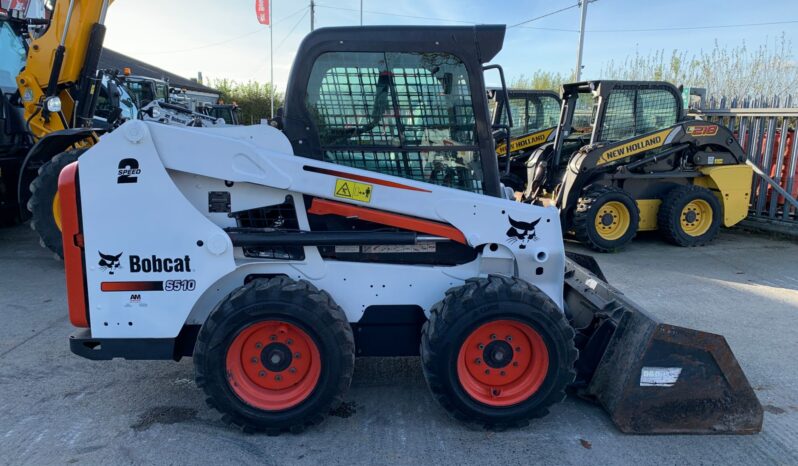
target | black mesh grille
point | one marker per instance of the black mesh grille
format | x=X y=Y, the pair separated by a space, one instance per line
x=632 y=112
x=402 y=114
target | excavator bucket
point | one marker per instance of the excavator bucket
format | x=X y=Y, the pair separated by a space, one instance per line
x=651 y=377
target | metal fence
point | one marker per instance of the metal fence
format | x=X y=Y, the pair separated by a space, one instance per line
x=766 y=128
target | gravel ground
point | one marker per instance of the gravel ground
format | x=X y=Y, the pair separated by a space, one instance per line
x=57 y=408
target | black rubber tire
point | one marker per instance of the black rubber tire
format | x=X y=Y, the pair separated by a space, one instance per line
x=587 y=208
x=479 y=301
x=670 y=211
x=40 y=204
x=299 y=303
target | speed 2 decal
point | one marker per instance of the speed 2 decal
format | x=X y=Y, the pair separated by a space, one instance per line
x=128 y=171
x=522 y=232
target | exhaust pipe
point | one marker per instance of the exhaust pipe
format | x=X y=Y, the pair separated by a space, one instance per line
x=651 y=377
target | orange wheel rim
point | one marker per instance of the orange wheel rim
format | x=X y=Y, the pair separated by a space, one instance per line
x=502 y=363
x=273 y=365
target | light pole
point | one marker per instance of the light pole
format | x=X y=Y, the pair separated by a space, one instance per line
x=312 y=14
x=581 y=40
x=271 y=60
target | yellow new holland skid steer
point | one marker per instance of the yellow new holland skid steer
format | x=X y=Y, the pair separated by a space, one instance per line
x=534 y=116
x=626 y=159
x=369 y=221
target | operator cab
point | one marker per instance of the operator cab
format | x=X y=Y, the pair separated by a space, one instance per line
x=600 y=112
x=531 y=116
x=145 y=90
x=403 y=101
x=532 y=110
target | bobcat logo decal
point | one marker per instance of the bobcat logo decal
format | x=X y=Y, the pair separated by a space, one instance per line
x=108 y=262
x=522 y=232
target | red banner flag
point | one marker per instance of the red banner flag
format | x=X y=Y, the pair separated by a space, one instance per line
x=262 y=10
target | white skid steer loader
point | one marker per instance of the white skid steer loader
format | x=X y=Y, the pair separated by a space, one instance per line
x=370 y=222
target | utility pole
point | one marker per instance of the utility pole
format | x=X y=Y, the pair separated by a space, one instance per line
x=581 y=40
x=271 y=60
x=312 y=14
x=361 y=12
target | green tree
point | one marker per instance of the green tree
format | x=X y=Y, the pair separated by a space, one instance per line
x=766 y=70
x=542 y=80
x=253 y=98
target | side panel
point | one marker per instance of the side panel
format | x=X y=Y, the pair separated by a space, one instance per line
x=155 y=254
x=732 y=185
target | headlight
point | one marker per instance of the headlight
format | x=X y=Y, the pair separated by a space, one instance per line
x=53 y=104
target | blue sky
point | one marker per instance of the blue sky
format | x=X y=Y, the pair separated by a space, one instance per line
x=224 y=39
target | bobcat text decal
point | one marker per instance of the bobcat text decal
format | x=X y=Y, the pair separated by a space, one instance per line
x=521 y=231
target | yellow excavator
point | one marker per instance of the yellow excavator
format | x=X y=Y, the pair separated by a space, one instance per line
x=58 y=91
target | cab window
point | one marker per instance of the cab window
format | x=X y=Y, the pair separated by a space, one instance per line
x=12 y=57
x=532 y=113
x=403 y=114
x=634 y=112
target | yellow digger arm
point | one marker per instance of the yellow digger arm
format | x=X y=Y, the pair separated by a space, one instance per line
x=70 y=34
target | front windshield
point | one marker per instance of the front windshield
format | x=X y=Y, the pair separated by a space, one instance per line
x=532 y=113
x=583 y=119
x=142 y=91
x=12 y=57
x=126 y=103
x=162 y=91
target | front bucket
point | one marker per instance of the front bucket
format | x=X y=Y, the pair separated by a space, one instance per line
x=654 y=378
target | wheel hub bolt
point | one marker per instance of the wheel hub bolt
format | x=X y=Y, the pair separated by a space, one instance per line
x=289 y=341
x=481 y=346
x=517 y=349
x=509 y=338
x=487 y=371
x=297 y=355
x=496 y=392
x=262 y=373
x=254 y=360
x=477 y=361
x=515 y=363
x=492 y=336
x=278 y=378
x=502 y=373
x=258 y=345
x=292 y=370
x=273 y=337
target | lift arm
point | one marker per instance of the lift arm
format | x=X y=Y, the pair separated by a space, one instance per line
x=57 y=85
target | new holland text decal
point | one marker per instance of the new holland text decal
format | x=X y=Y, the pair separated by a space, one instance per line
x=652 y=141
x=524 y=142
x=522 y=232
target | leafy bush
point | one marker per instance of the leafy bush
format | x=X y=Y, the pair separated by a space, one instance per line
x=253 y=98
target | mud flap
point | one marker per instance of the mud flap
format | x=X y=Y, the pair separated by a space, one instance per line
x=651 y=377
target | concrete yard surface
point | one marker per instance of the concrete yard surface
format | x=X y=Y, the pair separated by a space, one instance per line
x=57 y=408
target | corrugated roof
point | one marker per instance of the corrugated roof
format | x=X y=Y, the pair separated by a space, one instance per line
x=110 y=59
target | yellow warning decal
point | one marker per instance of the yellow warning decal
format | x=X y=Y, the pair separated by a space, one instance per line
x=652 y=141
x=524 y=142
x=347 y=189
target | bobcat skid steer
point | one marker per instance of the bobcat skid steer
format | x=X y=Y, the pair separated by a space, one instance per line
x=370 y=222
